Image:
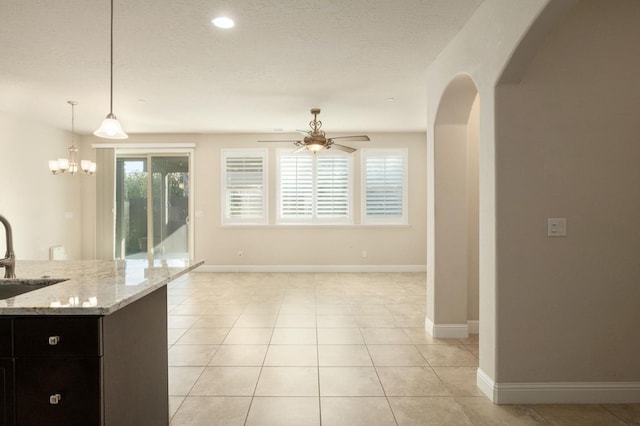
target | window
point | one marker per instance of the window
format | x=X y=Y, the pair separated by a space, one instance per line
x=384 y=187
x=314 y=188
x=244 y=180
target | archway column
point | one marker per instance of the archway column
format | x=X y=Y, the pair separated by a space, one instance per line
x=447 y=277
x=450 y=230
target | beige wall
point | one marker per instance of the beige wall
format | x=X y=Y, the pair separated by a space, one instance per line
x=558 y=138
x=450 y=203
x=569 y=146
x=271 y=244
x=44 y=210
x=473 y=271
x=486 y=49
x=452 y=284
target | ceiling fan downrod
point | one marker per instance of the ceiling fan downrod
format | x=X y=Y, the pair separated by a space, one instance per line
x=315 y=124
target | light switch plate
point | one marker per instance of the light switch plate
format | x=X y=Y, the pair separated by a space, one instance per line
x=557 y=227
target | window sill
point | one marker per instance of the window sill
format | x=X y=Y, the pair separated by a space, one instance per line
x=314 y=226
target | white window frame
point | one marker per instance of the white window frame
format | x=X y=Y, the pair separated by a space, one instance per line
x=381 y=152
x=314 y=219
x=245 y=153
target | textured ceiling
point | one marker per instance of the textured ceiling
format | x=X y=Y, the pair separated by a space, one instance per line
x=176 y=73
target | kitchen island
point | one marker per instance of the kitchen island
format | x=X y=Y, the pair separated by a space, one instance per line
x=90 y=350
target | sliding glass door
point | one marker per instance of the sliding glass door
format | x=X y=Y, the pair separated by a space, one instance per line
x=152 y=206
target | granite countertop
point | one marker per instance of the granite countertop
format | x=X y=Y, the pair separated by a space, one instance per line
x=93 y=287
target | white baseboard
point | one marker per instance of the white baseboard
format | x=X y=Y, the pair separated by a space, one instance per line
x=474 y=326
x=486 y=385
x=559 y=392
x=312 y=268
x=446 y=331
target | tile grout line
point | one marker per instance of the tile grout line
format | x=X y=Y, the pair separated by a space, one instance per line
x=246 y=418
x=386 y=397
x=604 y=407
x=315 y=290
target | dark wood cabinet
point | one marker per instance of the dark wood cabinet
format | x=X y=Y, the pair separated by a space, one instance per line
x=6 y=392
x=58 y=337
x=6 y=338
x=6 y=373
x=58 y=391
x=86 y=370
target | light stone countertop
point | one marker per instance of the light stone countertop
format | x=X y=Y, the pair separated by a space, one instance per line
x=94 y=287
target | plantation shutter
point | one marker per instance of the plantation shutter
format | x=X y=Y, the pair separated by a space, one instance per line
x=332 y=187
x=384 y=186
x=314 y=188
x=245 y=187
x=296 y=187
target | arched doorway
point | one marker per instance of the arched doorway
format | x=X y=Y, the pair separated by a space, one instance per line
x=452 y=223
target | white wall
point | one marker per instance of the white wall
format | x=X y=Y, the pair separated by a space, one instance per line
x=297 y=245
x=44 y=210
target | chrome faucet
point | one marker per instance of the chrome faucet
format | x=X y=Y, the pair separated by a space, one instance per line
x=9 y=261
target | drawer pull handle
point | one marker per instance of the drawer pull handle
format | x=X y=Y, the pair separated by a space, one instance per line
x=54 y=340
x=55 y=399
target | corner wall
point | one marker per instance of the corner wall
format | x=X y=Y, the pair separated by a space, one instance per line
x=481 y=50
x=486 y=47
x=558 y=316
x=568 y=146
x=44 y=210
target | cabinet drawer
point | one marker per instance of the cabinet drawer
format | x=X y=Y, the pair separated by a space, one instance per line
x=45 y=337
x=5 y=338
x=58 y=391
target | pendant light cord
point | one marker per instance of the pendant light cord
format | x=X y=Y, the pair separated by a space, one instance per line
x=110 y=127
x=111 y=77
x=73 y=122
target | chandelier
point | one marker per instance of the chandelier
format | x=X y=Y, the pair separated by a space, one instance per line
x=70 y=165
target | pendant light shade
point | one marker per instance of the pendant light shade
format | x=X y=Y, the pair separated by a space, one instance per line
x=110 y=127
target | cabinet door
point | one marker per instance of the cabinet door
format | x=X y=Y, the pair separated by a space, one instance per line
x=58 y=391
x=5 y=338
x=6 y=392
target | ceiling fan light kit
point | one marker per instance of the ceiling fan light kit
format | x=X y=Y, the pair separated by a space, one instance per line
x=315 y=140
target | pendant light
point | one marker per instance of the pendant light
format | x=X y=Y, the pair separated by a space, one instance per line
x=110 y=127
x=70 y=165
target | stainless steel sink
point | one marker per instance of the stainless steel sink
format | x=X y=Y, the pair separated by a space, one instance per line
x=11 y=287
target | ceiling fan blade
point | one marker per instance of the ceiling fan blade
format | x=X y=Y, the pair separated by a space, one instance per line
x=302 y=148
x=358 y=138
x=343 y=148
x=288 y=140
x=303 y=132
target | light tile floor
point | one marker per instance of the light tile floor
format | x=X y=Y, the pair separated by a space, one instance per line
x=330 y=349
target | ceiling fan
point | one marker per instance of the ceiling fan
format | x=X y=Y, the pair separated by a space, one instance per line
x=315 y=139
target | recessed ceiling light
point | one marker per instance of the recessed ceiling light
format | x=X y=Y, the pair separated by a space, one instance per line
x=223 y=22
